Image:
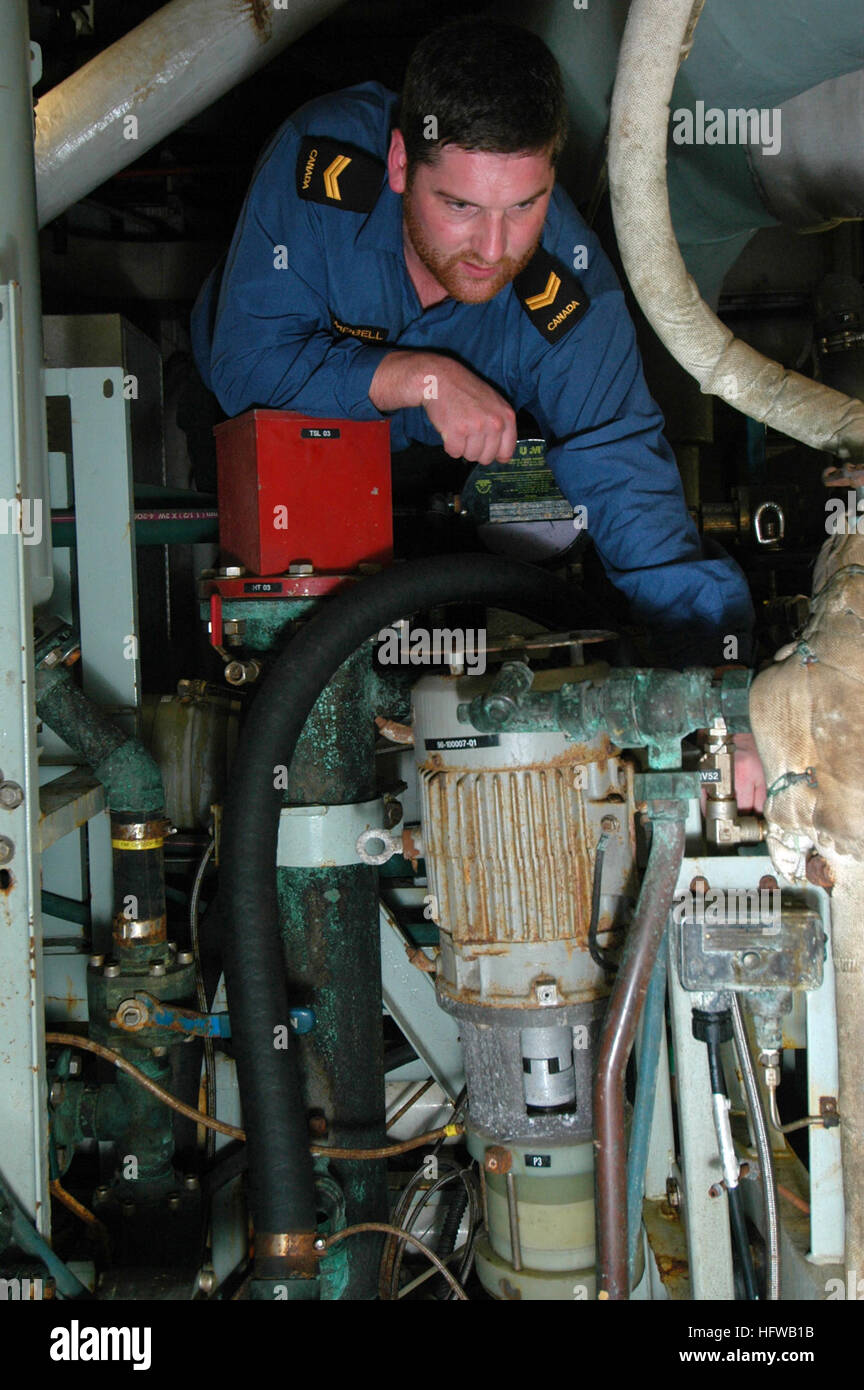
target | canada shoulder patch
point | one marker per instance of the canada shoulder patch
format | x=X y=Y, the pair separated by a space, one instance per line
x=337 y=174
x=551 y=296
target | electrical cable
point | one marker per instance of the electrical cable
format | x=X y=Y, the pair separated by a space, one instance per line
x=713 y=1027
x=108 y=1055
x=25 y=1235
x=399 y=1217
x=413 y=1216
x=201 y=998
x=763 y=1148
x=403 y=1235
x=410 y=1101
x=390 y=1151
x=599 y=955
x=84 y=1213
x=408 y=1212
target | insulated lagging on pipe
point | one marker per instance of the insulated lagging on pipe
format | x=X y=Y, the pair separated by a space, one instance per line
x=714 y=1027
x=658 y=33
x=619 y=1031
x=281 y=1181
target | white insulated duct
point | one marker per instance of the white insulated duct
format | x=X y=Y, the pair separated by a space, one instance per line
x=657 y=31
x=818 y=172
x=151 y=81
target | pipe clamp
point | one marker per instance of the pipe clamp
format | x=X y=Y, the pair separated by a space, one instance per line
x=324 y=837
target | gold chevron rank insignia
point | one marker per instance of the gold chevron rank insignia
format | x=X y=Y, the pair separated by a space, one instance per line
x=331 y=176
x=542 y=301
x=553 y=299
x=338 y=175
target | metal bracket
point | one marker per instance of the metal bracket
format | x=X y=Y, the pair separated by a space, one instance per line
x=719 y=950
x=319 y=837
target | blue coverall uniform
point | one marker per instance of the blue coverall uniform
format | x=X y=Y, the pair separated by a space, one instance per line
x=312 y=297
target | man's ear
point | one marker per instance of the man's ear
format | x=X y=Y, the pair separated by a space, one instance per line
x=397 y=163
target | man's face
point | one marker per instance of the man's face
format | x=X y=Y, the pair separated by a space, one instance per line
x=472 y=220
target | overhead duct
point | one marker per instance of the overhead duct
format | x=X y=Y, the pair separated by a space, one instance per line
x=817 y=174
x=152 y=81
x=656 y=34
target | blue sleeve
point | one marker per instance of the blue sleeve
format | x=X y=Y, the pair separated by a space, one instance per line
x=272 y=340
x=609 y=455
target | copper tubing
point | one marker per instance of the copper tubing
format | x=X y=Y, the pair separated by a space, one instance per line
x=109 y=1055
x=232 y=1131
x=616 y=1041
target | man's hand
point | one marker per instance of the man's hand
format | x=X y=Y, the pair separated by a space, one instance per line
x=749 y=775
x=473 y=420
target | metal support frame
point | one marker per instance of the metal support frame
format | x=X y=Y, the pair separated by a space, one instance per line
x=409 y=995
x=22 y=1046
x=104 y=525
x=709 y=1247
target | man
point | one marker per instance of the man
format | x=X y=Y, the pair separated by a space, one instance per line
x=418 y=263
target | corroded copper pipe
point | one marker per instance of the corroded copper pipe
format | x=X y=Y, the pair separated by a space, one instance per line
x=619 y=1032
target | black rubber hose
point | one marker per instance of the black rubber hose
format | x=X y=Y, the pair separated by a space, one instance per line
x=280 y=1167
x=599 y=954
x=737 y=1223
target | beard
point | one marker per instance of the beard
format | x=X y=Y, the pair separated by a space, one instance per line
x=448 y=269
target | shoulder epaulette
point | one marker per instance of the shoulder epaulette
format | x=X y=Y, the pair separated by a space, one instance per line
x=551 y=296
x=338 y=174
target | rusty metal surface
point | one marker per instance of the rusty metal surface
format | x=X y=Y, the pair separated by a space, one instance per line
x=497 y=1159
x=819 y=872
x=511 y=848
x=668 y=1248
x=293 y=1250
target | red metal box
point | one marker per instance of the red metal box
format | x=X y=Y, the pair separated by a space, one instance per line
x=293 y=488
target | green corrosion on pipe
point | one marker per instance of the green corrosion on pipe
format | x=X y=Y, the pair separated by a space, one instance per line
x=128 y=772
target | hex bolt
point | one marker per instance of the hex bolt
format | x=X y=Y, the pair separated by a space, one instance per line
x=55 y=1095
x=186 y=958
x=749 y=959
x=101 y=1195
x=11 y=795
x=319 y=1243
x=231 y=572
x=7 y=850
x=174 y=1200
x=74 y=1066
x=97 y=962
x=301 y=568
x=207 y=1280
x=157 y=968
x=159 y=1051
x=111 y=971
x=673 y=1193
x=610 y=824
x=172 y=948
x=190 y=1182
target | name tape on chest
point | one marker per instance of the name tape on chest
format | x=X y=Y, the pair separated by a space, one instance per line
x=337 y=174
x=553 y=299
